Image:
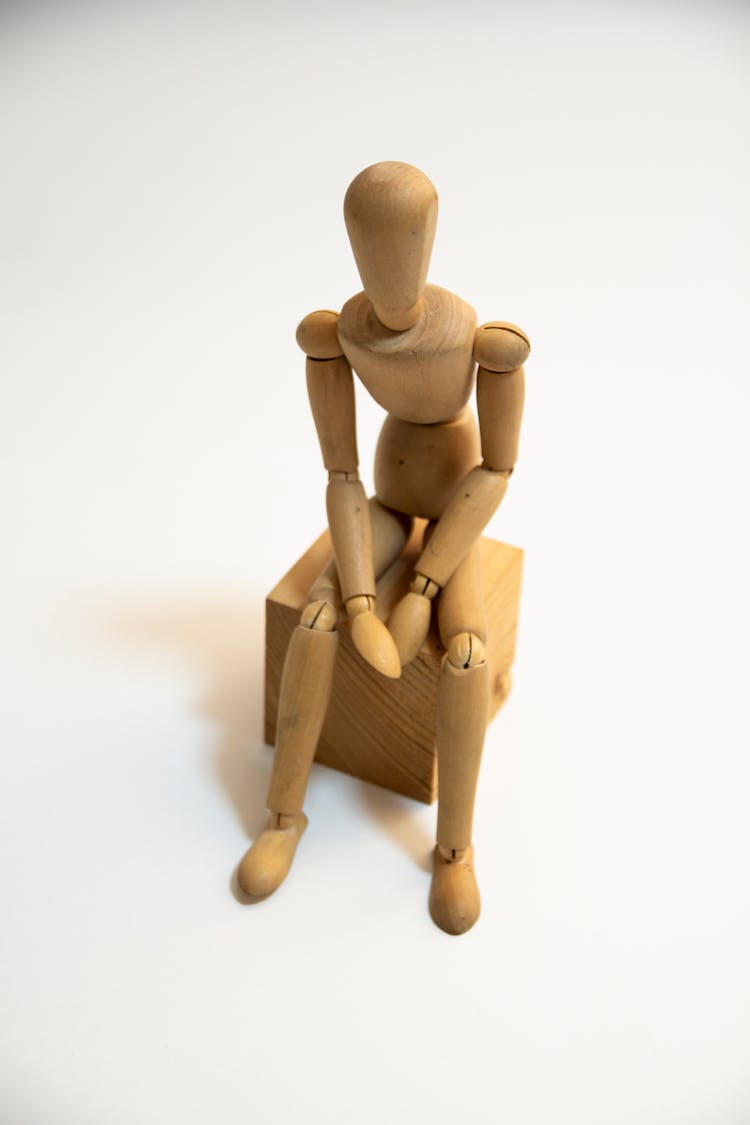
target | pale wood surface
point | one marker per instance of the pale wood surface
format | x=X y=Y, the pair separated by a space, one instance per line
x=384 y=730
x=390 y=533
x=390 y=211
x=417 y=467
x=349 y=523
x=500 y=399
x=423 y=374
x=317 y=335
x=409 y=624
x=467 y=514
x=461 y=605
x=501 y=346
x=413 y=346
x=462 y=720
x=266 y=863
x=455 y=902
x=306 y=684
x=330 y=388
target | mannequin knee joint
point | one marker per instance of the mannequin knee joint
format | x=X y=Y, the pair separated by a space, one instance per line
x=465 y=650
x=321 y=616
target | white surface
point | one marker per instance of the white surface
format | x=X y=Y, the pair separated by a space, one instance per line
x=171 y=206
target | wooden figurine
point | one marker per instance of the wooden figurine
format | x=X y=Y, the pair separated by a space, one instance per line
x=414 y=346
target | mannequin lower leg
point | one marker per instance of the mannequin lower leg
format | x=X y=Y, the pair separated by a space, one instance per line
x=305 y=694
x=307 y=678
x=462 y=721
x=306 y=685
x=463 y=696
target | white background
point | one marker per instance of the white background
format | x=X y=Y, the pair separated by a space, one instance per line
x=170 y=207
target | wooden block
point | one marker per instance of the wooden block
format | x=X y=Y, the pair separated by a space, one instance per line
x=378 y=729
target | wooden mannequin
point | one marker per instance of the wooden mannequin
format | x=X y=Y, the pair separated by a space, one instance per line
x=414 y=347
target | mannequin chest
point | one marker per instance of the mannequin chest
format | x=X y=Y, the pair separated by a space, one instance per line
x=424 y=374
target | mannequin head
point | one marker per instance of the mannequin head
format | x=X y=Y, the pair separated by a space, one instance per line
x=391 y=212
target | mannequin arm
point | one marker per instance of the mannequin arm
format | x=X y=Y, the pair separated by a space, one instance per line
x=500 y=350
x=330 y=387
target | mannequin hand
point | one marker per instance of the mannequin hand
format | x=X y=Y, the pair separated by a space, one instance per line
x=371 y=638
x=410 y=621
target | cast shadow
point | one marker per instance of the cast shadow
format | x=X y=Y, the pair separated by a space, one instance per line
x=399 y=818
x=224 y=640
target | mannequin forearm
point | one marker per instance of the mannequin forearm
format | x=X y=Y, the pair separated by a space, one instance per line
x=349 y=523
x=462 y=522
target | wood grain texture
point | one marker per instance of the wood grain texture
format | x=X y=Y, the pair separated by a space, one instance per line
x=424 y=374
x=384 y=731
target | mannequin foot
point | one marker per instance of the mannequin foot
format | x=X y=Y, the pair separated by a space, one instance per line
x=454 y=894
x=266 y=864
